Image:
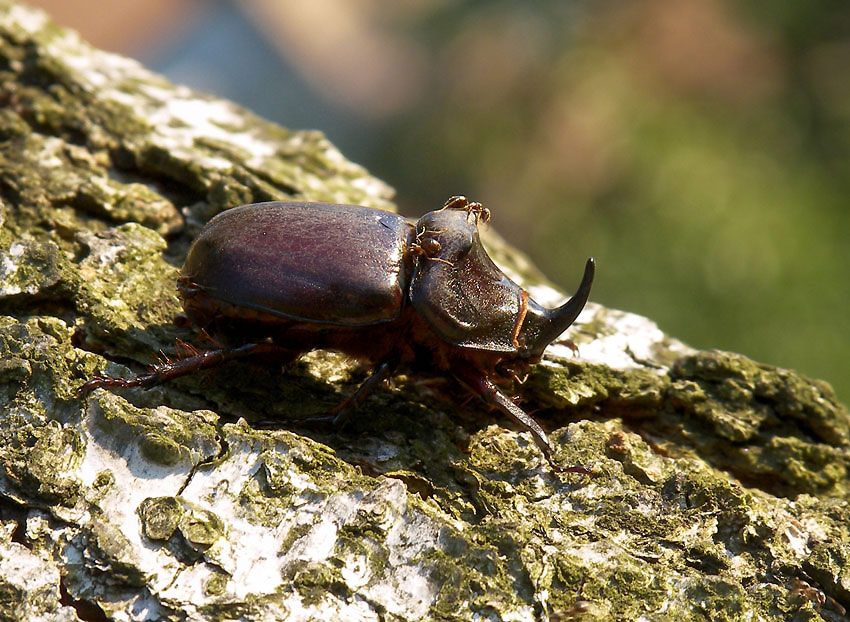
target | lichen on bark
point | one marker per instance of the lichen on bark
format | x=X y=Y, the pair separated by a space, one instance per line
x=719 y=487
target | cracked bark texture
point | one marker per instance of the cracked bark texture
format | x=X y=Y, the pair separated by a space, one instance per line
x=721 y=488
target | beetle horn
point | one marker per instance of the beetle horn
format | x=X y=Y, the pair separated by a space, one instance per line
x=544 y=325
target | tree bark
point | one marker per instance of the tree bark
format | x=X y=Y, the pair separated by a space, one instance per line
x=720 y=487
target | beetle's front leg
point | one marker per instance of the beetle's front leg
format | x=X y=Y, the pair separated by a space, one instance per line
x=487 y=390
x=169 y=370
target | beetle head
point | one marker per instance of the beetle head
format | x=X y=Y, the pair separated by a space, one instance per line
x=467 y=300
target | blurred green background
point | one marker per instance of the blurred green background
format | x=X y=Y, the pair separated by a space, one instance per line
x=699 y=149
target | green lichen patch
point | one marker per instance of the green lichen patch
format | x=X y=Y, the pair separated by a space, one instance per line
x=473 y=581
x=633 y=545
x=163 y=436
x=29 y=269
x=807 y=406
x=575 y=385
x=285 y=470
x=161 y=517
x=637 y=457
x=38 y=461
x=129 y=290
x=201 y=528
x=771 y=427
x=216 y=583
x=53 y=174
x=39 y=443
x=313 y=581
x=38 y=365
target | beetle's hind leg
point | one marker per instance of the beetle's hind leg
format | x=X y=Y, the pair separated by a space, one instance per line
x=169 y=370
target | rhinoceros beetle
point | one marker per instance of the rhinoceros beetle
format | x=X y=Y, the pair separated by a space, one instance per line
x=279 y=279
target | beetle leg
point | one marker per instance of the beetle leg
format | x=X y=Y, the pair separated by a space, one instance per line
x=343 y=410
x=169 y=370
x=482 y=386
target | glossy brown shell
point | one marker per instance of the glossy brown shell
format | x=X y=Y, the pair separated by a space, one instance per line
x=313 y=262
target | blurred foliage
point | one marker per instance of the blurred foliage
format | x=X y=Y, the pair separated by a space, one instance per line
x=697 y=148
